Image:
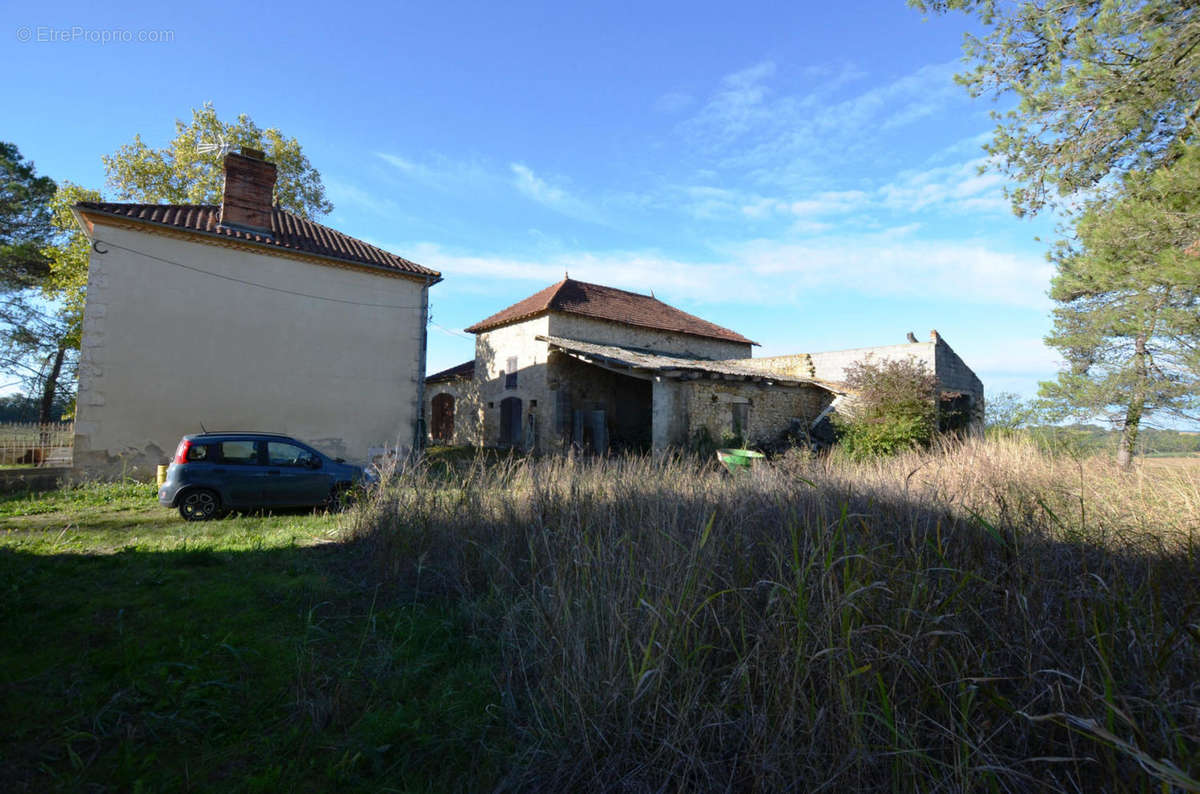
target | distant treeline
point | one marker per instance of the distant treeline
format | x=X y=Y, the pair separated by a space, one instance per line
x=23 y=408
x=1093 y=438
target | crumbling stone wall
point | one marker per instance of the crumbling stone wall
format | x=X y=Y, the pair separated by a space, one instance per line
x=769 y=413
x=936 y=355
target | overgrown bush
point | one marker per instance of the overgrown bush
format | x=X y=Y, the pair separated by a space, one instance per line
x=895 y=408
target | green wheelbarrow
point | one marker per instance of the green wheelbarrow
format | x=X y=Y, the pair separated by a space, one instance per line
x=739 y=459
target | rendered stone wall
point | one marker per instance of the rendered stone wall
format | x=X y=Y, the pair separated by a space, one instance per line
x=586 y=329
x=166 y=349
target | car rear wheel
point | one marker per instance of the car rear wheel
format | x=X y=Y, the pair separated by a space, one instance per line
x=200 y=505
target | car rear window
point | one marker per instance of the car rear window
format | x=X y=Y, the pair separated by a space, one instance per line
x=239 y=453
x=198 y=452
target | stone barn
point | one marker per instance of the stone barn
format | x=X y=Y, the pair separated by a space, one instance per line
x=599 y=368
x=450 y=406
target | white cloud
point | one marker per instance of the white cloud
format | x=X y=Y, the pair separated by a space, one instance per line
x=774 y=273
x=960 y=186
x=556 y=198
x=776 y=136
x=1013 y=357
x=737 y=106
x=344 y=193
x=441 y=173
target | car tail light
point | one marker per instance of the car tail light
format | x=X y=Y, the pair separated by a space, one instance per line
x=181 y=451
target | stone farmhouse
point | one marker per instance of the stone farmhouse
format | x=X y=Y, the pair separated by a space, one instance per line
x=604 y=369
x=243 y=316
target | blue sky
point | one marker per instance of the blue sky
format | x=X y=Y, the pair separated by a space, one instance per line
x=806 y=174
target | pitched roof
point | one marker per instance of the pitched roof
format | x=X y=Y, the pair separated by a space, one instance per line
x=463 y=370
x=289 y=232
x=607 y=303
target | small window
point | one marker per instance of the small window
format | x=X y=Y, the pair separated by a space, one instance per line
x=491 y=405
x=741 y=418
x=510 y=378
x=239 y=453
x=197 y=452
x=280 y=454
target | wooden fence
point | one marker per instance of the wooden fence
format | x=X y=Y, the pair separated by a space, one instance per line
x=33 y=444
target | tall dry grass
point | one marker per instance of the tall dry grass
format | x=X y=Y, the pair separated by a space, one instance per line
x=979 y=618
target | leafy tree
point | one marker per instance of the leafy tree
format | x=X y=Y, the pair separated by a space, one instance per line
x=66 y=282
x=25 y=227
x=189 y=169
x=1007 y=413
x=1103 y=87
x=1128 y=293
x=895 y=408
x=34 y=335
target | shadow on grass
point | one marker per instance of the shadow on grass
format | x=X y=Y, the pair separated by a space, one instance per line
x=263 y=670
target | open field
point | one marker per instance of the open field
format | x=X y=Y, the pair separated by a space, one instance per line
x=1191 y=462
x=979 y=619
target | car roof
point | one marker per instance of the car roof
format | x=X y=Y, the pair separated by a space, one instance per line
x=211 y=434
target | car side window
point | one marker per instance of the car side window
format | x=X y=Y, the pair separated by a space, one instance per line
x=239 y=453
x=281 y=454
x=197 y=452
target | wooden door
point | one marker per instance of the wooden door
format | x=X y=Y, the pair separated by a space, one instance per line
x=443 y=418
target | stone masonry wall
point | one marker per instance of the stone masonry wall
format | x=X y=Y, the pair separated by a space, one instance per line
x=468 y=415
x=586 y=329
x=493 y=349
x=771 y=408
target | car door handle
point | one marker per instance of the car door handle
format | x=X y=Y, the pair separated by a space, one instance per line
x=274 y=472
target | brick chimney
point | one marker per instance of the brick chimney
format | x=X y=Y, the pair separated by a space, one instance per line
x=249 y=185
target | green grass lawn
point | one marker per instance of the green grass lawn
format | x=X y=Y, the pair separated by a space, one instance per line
x=142 y=653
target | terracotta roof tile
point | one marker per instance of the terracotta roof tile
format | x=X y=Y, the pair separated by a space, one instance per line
x=288 y=231
x=607 y=303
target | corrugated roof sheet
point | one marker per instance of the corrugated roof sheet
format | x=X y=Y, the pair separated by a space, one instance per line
x=288 y=231
x=607 y=303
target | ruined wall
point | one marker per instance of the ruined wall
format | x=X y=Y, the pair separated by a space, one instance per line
x=831 y=365
x=586 y=329
x=954 y=375
x=770 y=408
